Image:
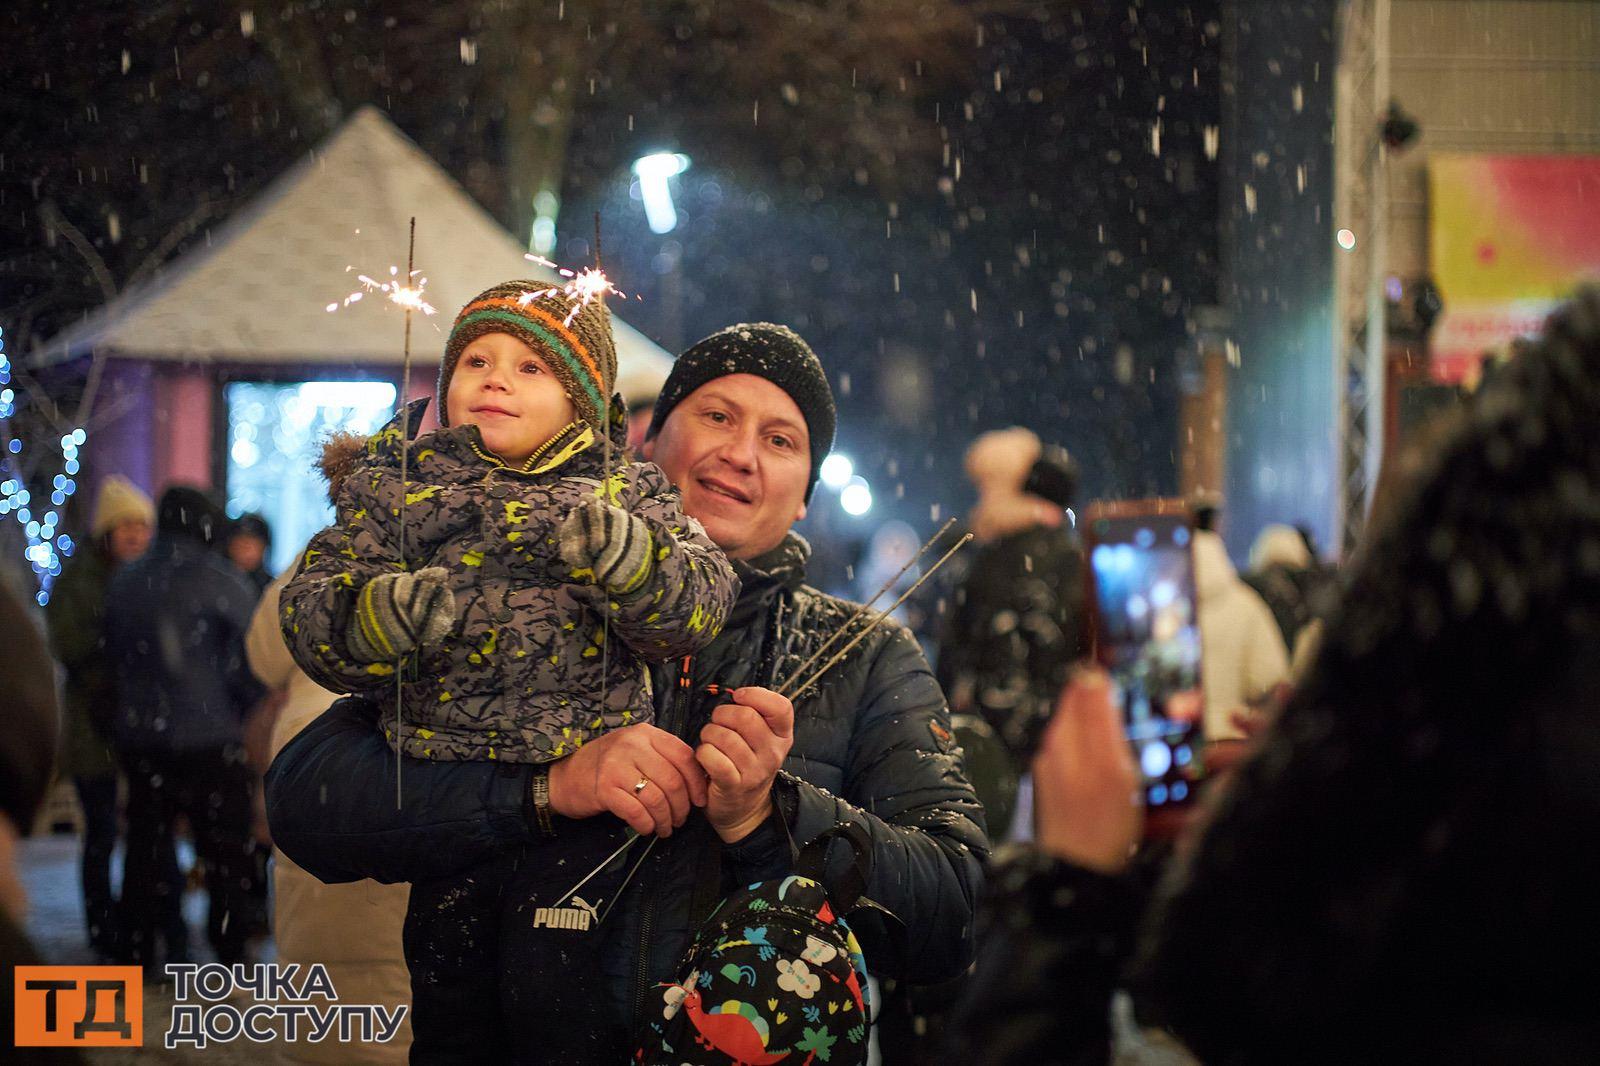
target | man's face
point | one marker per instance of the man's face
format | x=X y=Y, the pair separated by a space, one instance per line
x=739 y=451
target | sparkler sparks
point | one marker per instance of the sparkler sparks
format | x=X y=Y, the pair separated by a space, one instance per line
x=584 y=286
x=407 y=294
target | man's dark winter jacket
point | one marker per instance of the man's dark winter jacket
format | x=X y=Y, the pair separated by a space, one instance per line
x=872 y=745
x=175 y=623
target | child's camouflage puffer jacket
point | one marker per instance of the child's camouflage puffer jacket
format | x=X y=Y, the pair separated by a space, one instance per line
x=519 y=676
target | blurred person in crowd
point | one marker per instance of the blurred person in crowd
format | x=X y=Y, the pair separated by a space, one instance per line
x=1283 y=574
x=352 y=929
x=891 y=546
x=246 y=544
x=1243 y=659
x=249 y=540
x=27 y=752
x=1403 y=869
x=124 y=519
x=175 y=624
x=1016 y=620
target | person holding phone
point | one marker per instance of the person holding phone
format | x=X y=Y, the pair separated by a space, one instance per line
x=1402 y=869
x=1016 y=618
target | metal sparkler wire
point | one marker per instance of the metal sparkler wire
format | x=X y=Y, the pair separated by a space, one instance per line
x=407 y=295
x=630 y=836
x=643 y=855
x=405 y=449
x=812 y=680
x=865 y=607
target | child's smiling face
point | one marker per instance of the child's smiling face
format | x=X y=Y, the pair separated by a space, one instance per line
x=506 y=389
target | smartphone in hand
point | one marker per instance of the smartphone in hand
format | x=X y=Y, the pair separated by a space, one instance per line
x=1144 y=617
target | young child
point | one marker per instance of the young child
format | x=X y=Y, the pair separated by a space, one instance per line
x=517 y=542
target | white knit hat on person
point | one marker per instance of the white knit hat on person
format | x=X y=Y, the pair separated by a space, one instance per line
x=999 y=460
x=1280 y=545
x=120 y=500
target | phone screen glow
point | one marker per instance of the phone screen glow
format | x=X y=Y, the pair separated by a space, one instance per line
x=1149 y=639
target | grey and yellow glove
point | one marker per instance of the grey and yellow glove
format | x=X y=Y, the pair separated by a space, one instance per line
x=396 y=613
x=609 y=541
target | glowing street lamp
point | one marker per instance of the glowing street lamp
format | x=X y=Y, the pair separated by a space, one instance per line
x=837 y=470
x=655 y=172
x=856 y=498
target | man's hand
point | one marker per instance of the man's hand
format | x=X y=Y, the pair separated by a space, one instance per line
x=1085 y=784
x=741 y=750
x=603 y=775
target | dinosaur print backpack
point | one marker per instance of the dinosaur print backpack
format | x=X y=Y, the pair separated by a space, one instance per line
x=774 y=975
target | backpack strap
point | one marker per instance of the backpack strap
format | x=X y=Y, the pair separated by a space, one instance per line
x=845 y=890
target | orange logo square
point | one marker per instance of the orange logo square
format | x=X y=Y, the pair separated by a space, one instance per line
x=79 y=1006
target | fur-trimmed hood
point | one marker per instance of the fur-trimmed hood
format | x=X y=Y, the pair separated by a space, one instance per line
x=342 y=454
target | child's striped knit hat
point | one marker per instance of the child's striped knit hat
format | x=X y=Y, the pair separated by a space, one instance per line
x=579 y=347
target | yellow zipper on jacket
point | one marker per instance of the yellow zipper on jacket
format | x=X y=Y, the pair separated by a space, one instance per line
x=579 y=443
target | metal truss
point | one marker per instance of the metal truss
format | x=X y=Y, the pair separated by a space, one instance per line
x=1361 y=205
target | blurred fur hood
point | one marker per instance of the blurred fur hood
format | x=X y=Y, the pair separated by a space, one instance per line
x=1280 y=545
x=342 y=454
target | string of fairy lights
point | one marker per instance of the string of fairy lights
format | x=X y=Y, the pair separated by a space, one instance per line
x=47 y=545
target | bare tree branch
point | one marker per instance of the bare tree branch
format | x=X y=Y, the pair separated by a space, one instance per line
x=97 y=265
x=39 y=397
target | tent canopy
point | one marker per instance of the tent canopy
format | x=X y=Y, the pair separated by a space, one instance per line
x=260 y=292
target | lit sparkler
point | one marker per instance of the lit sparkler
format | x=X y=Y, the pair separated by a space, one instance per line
x=407 y=293
x=583 y=287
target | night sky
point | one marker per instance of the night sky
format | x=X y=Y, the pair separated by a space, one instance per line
x=1012 y=231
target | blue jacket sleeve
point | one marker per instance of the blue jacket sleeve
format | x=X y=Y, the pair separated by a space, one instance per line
x=331 y=804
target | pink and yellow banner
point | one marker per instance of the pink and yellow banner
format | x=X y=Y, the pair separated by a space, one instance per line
x=1511 y=235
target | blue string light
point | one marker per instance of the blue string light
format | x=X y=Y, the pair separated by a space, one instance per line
x=46 y=546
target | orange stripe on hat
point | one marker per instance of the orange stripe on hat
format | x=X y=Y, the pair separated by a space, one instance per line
x=548 y=319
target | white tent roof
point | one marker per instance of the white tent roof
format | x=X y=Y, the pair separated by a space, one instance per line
x=260 y=292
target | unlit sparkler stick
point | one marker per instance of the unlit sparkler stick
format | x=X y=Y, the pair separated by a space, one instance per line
x=629 y=837
x=643 y=855
x=407 y=294
x=605 y=488
x=812 y=680
x=865 y=607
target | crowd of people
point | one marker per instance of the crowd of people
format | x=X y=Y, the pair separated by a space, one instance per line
x=619 y=701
